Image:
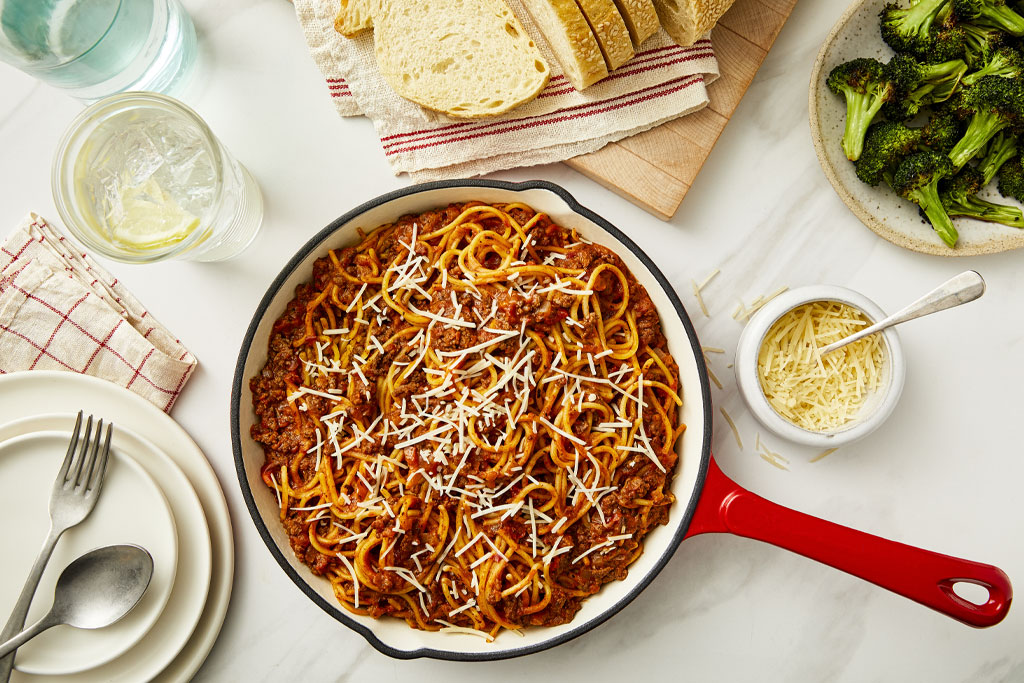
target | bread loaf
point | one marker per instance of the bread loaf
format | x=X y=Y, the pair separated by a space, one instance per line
x=466 y=58
x=354 y=17
x=687 y=20
x=610 y=31
x=641 y=19
x=569 y=35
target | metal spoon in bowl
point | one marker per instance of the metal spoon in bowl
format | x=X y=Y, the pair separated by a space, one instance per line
x=94 y=591
x=962 y=289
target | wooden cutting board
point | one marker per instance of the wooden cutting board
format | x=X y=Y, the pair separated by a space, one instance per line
x=655 y=169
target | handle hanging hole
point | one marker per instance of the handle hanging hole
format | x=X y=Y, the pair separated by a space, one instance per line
x=971 y=592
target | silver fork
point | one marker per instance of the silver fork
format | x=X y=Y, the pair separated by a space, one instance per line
x=74 y=495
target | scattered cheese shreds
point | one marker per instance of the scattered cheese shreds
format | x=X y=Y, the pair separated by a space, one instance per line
x=709 y=278
x=767 y=458
x=700 y=299
x=732 y=426
x=714 y=379
x=824 y=454
x=815 y=392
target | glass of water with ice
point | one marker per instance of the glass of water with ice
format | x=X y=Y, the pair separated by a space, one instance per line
x=139 y=177
x=93 y=48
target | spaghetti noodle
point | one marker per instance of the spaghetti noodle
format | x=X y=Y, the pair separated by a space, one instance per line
x=469 y=420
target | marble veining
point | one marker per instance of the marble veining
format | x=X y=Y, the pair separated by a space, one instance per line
x=944 y=472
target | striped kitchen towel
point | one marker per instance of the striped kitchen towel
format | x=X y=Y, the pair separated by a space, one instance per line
x=59 y=310
x=662 y=82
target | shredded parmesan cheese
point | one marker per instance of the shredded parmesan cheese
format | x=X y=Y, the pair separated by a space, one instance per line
x=700 y=299
x=815 y=392
x=732 y=426
x=824 y=454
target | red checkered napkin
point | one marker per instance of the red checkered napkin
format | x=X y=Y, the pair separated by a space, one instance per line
x=59 y=310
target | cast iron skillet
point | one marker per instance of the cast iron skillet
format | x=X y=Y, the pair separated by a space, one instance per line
x=707 y=500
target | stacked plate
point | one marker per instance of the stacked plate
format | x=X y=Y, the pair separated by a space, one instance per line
x=160 y=493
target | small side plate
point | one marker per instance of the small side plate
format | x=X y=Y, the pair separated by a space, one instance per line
x=131 y=509
x=856 y=35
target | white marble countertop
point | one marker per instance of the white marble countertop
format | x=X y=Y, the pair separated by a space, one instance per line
x=944 y=473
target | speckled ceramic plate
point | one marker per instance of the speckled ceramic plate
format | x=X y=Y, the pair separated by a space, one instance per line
x=856 y=35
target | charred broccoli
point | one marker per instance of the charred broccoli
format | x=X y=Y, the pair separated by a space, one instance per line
x=1001 y=148
x=942 y=131
x=885 y=146
x=917 y=179
x=866 y=86
x=1004 y=61
x=918 y=84
x=992 y=105
x=979 y=43
x=990 y=14
x=909 y=30
x=1011 y=180
x=958 y=198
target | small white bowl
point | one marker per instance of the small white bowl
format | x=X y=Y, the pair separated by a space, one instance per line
x=879 y=404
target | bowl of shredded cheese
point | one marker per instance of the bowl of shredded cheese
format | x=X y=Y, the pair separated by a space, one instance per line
x=814 y=399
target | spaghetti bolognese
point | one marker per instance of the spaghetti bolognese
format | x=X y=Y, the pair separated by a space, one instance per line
x=469 y=419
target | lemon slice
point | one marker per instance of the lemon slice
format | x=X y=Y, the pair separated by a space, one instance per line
x=146 y=217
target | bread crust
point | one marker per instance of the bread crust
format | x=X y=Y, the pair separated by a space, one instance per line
x=610 y=31
x=641 y=19
x=570 y=36
x=687 y=20
x=354 y=17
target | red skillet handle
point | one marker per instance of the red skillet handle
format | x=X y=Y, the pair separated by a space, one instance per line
x=921 y=575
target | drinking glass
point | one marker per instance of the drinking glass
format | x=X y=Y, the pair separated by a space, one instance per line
x=140 y=178
x=94 y=48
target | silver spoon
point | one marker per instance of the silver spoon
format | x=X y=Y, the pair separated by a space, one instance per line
x=94 y=591
x=962 y=289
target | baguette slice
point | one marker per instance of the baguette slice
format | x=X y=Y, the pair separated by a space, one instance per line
x=610 y=31
x=641 y=19
x=687 y=20
x=354 y=17
x=575 y=46
x=465 y=58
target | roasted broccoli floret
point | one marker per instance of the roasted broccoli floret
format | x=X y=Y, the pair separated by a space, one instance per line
x=1004 y=61
x=958 y=198
x=993 y=104
x=989 y=13
x=1011 y=180
x=979 y=43
x=909 y=29
x=885 y=146
x=1001 y=148
x=918 y=84
x=917 y=178
x=942 y=131
x=948 y=42
x=866 y=86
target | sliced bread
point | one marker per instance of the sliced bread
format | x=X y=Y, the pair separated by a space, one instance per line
x=687 y=20
x=354 y=17
x=641 y=19
x=465 y=58
x=569 y=35
x=610 y=31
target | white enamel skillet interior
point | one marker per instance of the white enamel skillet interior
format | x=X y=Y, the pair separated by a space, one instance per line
x=393 y=636
x=706 y=500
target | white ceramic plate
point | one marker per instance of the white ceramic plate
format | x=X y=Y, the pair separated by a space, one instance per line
x=188 y=596
x=131 y=509
x=393 y=636
x=856 y=35
x=29 y=394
